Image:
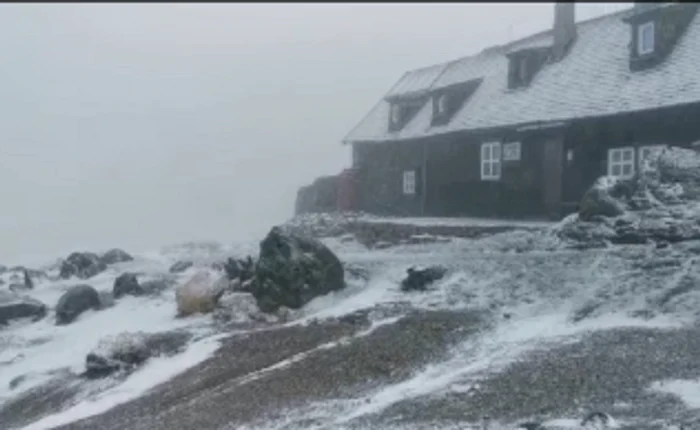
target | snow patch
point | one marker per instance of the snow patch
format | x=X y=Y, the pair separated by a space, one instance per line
x=687 y=390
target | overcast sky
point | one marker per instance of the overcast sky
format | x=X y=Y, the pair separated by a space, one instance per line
x=141 y=125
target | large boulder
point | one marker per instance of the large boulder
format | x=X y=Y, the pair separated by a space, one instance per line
x=75 y=301
x=126 y=351
x=116 y=255
x=292 y=270
x=14 y=307
x=127 y=284
x=661 y=203
x=82 y=265
x=200 y=293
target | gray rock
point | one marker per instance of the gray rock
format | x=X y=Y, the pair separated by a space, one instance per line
x=420 y=279
x=180 y=266
x=13 y=307
x=82 y=265
x=75 y=301
x=292 y=270
x=156 y=286
x=126 y=351
x=127 y=284
x=116 y=255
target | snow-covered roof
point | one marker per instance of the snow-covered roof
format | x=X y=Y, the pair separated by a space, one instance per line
x=593 y=79
x=416 y=81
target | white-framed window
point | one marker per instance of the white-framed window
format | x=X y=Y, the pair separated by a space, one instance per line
x=491 y=161
x=409 y=182
x=442 y=104
x=645 y=38
x=511 y=151
x=621 y=162
x=645 y=152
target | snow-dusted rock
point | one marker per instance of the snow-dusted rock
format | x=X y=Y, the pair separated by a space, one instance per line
x=75 y=301
x=661 y=203
x=126 y=351
x=292 y=270
x=180 y=266
x=127 y=284
x=200 y=294
x=82 y=265
x=116 y=255
x=420 y=279
x=14 y=307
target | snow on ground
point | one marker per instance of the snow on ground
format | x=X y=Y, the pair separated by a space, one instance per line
x=477 y=282
x=453 y=222
x=686 y=390
x=492 y=351
x=37 y=350
x=156 y=371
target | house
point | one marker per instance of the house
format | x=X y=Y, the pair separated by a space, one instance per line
x=523 y=130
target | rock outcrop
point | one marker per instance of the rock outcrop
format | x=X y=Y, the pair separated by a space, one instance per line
x=116 y=255
x=82 y=265
x=15 y=307
x=292 y=270
x=661 y=204
x=127 y=284
x=75 y=301
x=180 y=266
x=126 y=351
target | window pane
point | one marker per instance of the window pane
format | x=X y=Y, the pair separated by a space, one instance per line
x=627 y=155
x=627 y=170
x=496 y=169
x=615 y=170
x=485 y=170
x=484 y=152
x=496 y=152
x=648 y=38
x=616 y=156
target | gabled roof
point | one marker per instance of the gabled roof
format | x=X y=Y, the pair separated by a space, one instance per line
x=594 y=79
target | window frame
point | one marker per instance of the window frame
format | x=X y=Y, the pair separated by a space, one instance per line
x=622 y=162
x=409 y=182
x=641 y=30
x=490 y=161
x=516 y=146
x=395 y=113
x=659 y=147
x=441 y=104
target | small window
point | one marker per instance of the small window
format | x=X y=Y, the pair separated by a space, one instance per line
x=522 y=70
x=646 y=152
x=442 y=104
x=621 y=162
x=645 y=38
x=395 y=114
x=511 y=151
x=491 y=161
x=409 y=182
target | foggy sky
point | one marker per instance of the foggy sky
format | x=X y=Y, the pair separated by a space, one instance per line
x=142 y=125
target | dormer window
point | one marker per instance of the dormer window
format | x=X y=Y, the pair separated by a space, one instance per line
x=402 y=110
x=395 y=114
x=645 y=38
x=447 y=101
x=442 y=104
x=524 y=65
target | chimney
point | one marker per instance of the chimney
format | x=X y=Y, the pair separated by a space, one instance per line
x=564 y=28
